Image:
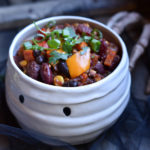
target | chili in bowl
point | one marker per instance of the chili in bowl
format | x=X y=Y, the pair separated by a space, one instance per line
x=69 y=81
x=68 y=55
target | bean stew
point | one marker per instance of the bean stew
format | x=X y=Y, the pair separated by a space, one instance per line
x=68 y=55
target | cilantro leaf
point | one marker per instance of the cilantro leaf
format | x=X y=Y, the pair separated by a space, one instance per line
x=67 y=46
x=38 y=28
x=56 y=33
x=95 y=44
x=51 y=23
x=54 y=43
x=55 y=56
x=84 y=50
x=69 y=32
x=87 y=38
x=97 y=32
x=70 y=42
x=36 y=47
x=27 y=45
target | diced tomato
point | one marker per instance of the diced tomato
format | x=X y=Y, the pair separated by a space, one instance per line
x=43 y=29
x=43 y=44
x=48 y=53
x=28 y=55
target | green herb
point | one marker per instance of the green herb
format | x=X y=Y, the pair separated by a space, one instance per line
x=69 y=32
x=55 y=56
x=36 y=46
x=70 y=42
x=77 y=41
x=87 y=38
x=38 y=28
x=51 y=23
x=67 y=46
x=97 y=32
x=56 y=33
x=39 y=36
x=54 y=43
x=84 y=50
x=27 y=45
x=95 y=44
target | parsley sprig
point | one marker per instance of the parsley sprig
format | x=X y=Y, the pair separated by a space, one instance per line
x=55 y=56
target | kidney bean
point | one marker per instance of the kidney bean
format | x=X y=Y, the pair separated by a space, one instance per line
x=103 y=50
x=63 y=68
x=18 y=59
x=83 y=28
x=99 y=67
x=46 y=73
x=115 y=63
x=33 y=69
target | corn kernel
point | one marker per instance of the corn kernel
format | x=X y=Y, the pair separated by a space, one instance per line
x=23 y=63
x=58 y=80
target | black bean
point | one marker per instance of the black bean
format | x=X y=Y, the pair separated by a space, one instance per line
x=63 y=68
x=46 y=73
x=70 y=83
x=33 y=69
x=99 y=67
x=40 y=59
x=36 y=53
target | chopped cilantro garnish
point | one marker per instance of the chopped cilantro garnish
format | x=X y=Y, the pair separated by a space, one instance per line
x=38 y=28
x=36 y=47
x=55 y=56
x=97 y=32
x=69 y=32
x=54 y=43
x=95 y=44
x=67 y=46
x=70 y=42
x=84 y=50
x=27 y=45
x=39 y=36
x=56 y=33
x=51 y=23
x=87 y=38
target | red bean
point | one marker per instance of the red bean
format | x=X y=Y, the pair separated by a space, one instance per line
x=115 y=63
x=103 y=50
x=17 y=60
x=33 y=70
x=83 y=28
x=46 y=73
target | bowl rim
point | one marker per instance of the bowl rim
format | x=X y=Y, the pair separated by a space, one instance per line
x=75 y=89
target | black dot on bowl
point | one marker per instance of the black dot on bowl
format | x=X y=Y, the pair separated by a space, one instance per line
x=67 y=111
x=21 y=99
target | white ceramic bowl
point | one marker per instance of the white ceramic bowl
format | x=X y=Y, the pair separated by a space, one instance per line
x=93 y=108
